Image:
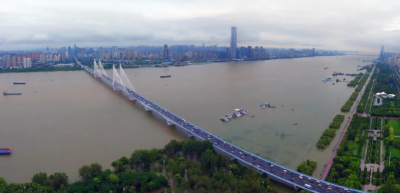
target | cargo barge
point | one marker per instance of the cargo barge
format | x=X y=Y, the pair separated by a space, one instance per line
x=6 y=93
x=5 y=151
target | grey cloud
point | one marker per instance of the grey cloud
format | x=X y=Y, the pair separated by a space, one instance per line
x=347 y=25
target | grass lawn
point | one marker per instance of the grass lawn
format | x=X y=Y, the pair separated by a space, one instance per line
x=395 y=152
x=353 y=147
x=396 y=126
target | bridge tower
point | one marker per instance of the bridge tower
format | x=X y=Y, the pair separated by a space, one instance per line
x=96 y=72
x=117 y=83
x=102 y=71
x=127 y=82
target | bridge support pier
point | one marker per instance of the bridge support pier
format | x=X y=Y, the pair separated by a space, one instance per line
x=296 y=188
x=169 y=123
x=146 y=108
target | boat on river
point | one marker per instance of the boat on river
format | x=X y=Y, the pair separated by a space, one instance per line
x=7 y=93
x=267 y=105
x=5 y=151
x=327 y=79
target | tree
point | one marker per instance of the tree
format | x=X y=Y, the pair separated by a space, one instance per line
x=58 y=179
x=3 y=182
x=96 y=180
x=178 y=178
x=113 y=178
x=117 y=165
x=40 y=178
x=86 y=172
x=233 y=168
x=208 y=160
x=173 y=147
x=96 y=169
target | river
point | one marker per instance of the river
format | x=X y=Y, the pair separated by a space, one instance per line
x=64 y=120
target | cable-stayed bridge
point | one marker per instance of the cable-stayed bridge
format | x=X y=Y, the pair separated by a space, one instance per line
x=120 y=82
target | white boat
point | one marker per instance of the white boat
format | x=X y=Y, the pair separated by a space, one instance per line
x=237 y=114
x=327 y=79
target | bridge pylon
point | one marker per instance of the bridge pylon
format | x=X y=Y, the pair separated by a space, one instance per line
x=117 y=83
x=127 y=82
x=101 y=68
x=96 y=70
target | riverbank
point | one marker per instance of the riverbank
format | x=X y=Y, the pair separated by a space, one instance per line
x=178 y=167
x=23 y=70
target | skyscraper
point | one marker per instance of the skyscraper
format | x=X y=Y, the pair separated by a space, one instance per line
x=381 y=55
x=166 y=51
x=233 y=42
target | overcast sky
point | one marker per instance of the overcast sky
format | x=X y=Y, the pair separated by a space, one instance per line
x=361 y=25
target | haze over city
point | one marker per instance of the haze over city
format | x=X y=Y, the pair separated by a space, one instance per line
x=342 y=25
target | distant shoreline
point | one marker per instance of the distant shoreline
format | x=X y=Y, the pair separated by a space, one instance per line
x=24 y=70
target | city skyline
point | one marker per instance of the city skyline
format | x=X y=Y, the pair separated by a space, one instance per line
x=292 y=24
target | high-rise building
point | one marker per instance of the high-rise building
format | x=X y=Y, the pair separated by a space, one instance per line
x=233 y=42
x=313 y=52
x=42 y=59
x=14 y=60
x=166 y=51
x=27 y=63
x=381 y=55
x=393 y=61
x=8 y=61
x=248 y=52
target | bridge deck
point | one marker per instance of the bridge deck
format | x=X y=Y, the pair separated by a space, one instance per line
x=263 y=166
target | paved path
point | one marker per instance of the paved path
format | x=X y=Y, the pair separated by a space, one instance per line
x=362 y=164
x=373 y=167
x=382 y=165
x=328 y=166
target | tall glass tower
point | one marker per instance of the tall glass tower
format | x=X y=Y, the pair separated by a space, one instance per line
x=381 y=55
x=233 y=42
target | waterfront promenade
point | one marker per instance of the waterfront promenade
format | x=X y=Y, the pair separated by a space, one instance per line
x=328 y=166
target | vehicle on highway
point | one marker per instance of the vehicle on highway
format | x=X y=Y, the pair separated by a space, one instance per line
x=307 y=186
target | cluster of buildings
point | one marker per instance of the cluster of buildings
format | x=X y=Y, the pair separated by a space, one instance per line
x=192 y=53
x=389 y=58
x=149 y=54
x=27 y=59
